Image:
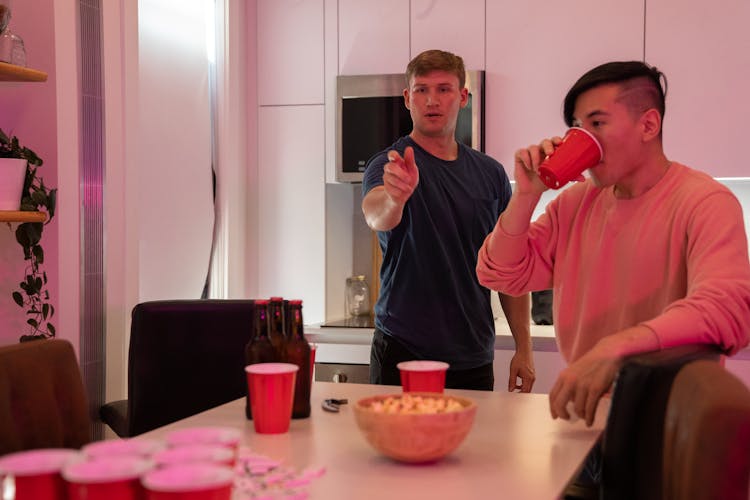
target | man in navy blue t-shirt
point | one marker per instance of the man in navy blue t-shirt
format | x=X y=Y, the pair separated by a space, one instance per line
x=433 y=201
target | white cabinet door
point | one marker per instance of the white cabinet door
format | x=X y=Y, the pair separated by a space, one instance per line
x=704 y=50
x=373 y=36
x=534 y=57
x=457 y=27
x=291 y=206
x=290 y=52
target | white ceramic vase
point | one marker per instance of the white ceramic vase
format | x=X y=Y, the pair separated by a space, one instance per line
x=12 y=175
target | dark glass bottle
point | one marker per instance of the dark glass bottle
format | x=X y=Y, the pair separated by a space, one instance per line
x=298 y=353
x=276 y=329
x=259 y=349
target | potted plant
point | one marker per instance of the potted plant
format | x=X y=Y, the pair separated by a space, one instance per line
x=35 y=196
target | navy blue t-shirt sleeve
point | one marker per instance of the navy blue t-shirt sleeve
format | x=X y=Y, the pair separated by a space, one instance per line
x=373 y=176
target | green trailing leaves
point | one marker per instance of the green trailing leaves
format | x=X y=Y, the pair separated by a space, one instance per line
x=36 y=196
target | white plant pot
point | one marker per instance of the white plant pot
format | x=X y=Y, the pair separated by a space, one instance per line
x=12 y=175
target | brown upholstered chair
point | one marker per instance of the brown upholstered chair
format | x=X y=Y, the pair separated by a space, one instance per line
x=707 y=435
x=42 y=398
x=632 y=443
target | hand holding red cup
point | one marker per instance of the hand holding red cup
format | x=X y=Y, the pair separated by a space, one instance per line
x=578 y=152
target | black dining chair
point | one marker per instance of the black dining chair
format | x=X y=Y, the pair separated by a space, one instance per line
x=43 y=400
x=185 y=356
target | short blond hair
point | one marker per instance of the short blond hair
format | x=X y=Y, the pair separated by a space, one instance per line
x=436 y=60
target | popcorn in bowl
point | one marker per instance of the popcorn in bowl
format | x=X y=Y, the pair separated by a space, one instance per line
x=415 y=427
x=410 y=403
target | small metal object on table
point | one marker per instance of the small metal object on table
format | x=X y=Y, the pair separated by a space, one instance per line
x=333 y=405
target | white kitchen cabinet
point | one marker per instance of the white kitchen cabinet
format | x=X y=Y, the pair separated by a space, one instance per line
x=457 y=27
x=291 y=206
x=704 y=50
x=533 y=58
x=373 y=36
x=290 y=52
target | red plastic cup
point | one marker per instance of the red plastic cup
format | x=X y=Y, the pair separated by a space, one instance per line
x=423 y=376
x=189 y=482
x=135 y=447
x=195 y=453
x=36 y=473
x=579 y=151
x=228 y=437
x=271 y=389
x=114 y=478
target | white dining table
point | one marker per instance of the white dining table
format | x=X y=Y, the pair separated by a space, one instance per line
x=514 y=450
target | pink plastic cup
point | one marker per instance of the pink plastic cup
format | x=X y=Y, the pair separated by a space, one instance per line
x=189 y=482
x=36 y=473
x=271 y=389
x=578 y=152
x=114 y=478
x=423 y=376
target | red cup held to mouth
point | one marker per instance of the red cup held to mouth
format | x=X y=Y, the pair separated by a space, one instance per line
x=578 y=152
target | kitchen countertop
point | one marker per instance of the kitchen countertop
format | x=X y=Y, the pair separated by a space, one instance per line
x=335 y=343
x=353 y=344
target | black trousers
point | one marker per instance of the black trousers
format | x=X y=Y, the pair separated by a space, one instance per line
x=387 y=352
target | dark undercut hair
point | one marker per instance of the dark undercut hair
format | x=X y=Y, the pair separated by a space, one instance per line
x=640 y=87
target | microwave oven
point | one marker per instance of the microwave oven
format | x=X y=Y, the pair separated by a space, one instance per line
x=371 y=115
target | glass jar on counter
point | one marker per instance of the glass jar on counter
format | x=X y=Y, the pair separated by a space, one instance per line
x=357 y=296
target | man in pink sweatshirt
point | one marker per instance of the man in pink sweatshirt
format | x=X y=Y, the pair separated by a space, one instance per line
x=645 y=254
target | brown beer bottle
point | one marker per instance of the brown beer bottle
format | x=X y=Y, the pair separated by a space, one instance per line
x=259 y=349
x=276 y=330
x=298 y=352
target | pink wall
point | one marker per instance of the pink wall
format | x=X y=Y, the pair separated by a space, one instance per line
x=28 y=110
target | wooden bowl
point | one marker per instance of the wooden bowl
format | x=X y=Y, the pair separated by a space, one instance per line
x=415 y=437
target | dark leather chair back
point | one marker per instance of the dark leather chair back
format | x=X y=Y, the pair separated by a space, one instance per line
x=185 y=356
x=43 y=401
x=632 y=445
x=707 y=435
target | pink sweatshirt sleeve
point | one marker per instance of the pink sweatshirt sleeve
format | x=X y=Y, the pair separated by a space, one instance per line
x=516 y=264
x=716 y=308
x=689 y=234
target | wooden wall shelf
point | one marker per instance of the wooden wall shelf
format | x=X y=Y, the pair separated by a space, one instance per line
x=13 y=73
x=22 y=216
